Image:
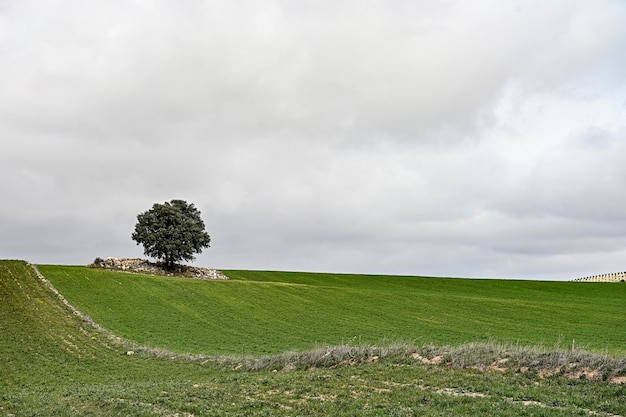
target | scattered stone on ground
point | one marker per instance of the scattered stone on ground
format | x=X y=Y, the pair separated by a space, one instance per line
x=143 y=266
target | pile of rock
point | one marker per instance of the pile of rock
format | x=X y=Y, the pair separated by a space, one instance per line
x=142 y=266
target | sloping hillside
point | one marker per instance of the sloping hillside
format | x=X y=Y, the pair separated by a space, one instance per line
x=39 y=333
x=265 y=312
x=54 y=364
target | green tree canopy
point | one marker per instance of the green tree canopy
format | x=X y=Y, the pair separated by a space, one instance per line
x=171 y=232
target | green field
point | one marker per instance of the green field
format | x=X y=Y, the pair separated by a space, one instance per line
x=52 y=363
x=271 y=312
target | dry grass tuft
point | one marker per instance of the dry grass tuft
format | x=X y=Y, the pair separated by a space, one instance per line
x=488 y=356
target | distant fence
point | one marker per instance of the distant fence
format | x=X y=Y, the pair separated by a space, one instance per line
x=615 y=277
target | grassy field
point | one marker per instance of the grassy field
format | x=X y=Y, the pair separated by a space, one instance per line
x=257 y=313
x=52 y=363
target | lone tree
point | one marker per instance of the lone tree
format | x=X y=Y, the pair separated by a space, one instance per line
x=171 y=232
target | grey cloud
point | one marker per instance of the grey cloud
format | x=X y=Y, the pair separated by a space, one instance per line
x=582 y=180
x=349 y=72
x=403 y=137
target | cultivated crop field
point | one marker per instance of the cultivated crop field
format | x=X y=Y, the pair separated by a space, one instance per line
x=54 y=363
x=258 y=313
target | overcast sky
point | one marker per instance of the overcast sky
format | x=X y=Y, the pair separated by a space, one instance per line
x=451 y=138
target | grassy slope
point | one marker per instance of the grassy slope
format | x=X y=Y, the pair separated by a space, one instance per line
x=51 y=363
x=270 y=312
x=47 y=355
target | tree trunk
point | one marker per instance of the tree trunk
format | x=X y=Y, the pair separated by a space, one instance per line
x=169 y=263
